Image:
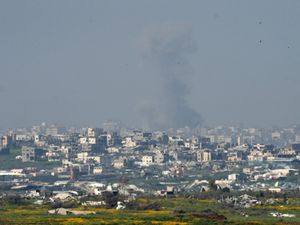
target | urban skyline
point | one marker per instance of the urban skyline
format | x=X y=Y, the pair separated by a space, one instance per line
x=149 y=112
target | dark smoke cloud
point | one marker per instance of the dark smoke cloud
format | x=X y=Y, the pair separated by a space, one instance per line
x=167 y=49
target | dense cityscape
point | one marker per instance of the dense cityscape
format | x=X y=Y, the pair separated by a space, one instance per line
x=149 y=112
x=73 y=162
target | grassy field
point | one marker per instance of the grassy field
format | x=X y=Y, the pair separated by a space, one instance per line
x=173 y=211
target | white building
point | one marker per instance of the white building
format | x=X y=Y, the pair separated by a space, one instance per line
x=158 y=157
x=119 y=163
x=204 y=156
x=147 y=160
x=97 y=170
x=128 y=142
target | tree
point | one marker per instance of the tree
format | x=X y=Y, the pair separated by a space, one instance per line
x=212 y=185
x=226 y=190
x=285 y=199
x=110 y=199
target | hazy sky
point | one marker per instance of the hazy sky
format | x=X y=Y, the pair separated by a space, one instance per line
x=80 y=62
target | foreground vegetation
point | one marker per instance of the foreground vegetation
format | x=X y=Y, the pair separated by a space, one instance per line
x=154 y=211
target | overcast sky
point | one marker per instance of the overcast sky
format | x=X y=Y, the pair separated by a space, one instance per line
x=81 y=63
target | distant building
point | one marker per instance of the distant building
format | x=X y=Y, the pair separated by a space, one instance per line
x=30 y=154
x=82 y=156
x=92 y=140
x=111 y=126
x=128 y=142
x=204 y=156
x=158 y=157
x=85 y=157
x=52 y=131
x=232 y=177
x=297 y=139
x=147 y=160
x=275 y=136
x=4 y=141
x=119 y=163
x=255 y=155
x=91 y=132
x=22 y=137
x=233 y=157
x=97 y=170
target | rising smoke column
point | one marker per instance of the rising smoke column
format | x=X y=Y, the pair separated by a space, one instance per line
x=167 y=49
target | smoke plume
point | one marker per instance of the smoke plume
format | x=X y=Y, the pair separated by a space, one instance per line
x=167 y=49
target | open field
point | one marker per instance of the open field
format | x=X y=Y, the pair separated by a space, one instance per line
x=173 y=211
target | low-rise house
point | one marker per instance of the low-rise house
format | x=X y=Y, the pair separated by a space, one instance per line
x=147 y=160
x=97 y=170
x=119 y=163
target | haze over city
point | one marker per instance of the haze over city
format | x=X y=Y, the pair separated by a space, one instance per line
x=149 y=112
x=81 y=63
